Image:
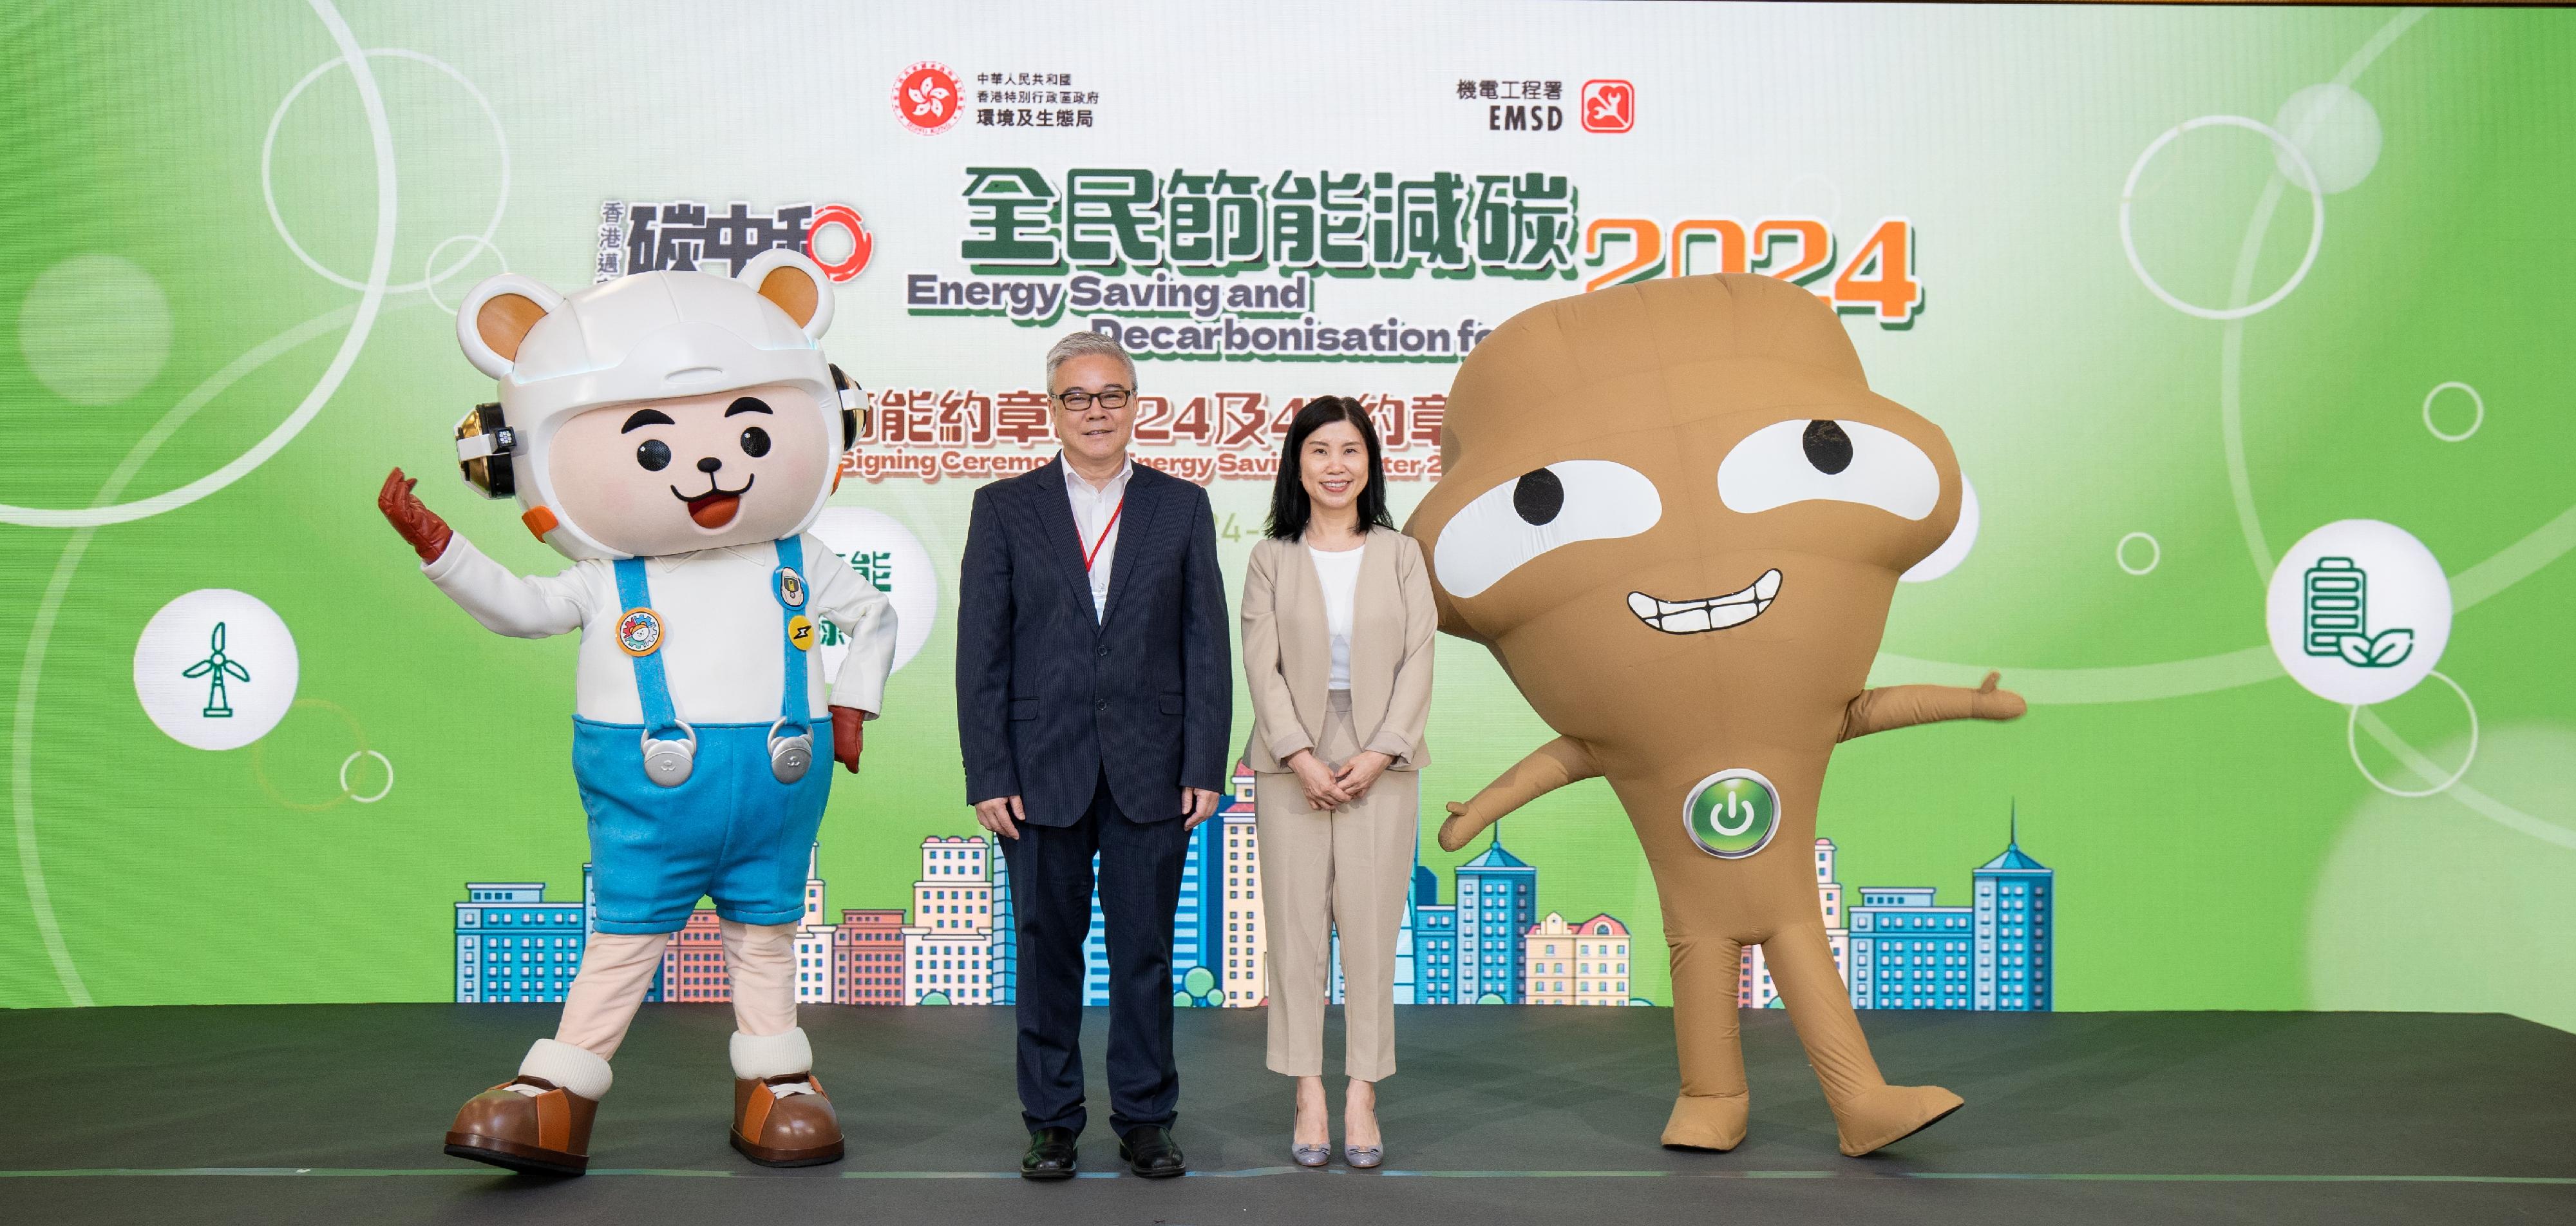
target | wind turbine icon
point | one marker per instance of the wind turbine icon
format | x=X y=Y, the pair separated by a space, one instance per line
x=214 y=668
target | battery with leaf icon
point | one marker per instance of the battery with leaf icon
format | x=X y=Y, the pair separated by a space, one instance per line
x=2334 y=602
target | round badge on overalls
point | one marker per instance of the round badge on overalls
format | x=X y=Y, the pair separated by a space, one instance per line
x=791 y=587
x=639 y=632
x=800 y=633
x=1732 y=814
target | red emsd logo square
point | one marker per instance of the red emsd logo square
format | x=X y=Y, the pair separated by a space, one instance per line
x=1609 y=106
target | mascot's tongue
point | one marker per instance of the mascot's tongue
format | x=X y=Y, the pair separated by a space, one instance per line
x=714 y=510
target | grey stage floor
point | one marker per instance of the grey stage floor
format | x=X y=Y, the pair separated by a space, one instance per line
x=334 y=1113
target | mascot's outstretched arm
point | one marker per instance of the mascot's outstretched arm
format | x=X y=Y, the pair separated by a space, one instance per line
x=1903 y=706
x=1549 y=767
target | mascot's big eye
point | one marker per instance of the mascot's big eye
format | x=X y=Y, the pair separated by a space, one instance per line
x=1565 y=502
x=653 y=454
x=1841 y=461
x=1828 y=448
x=1538 y=496
x=755 y=442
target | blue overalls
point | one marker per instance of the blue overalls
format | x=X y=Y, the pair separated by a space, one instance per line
x=731 y=830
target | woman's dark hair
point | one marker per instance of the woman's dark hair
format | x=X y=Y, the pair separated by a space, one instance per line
x=1289 y=506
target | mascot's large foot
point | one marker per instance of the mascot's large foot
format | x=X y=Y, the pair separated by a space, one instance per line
x=537 y=1123
x=547 y=1133
x=780 y=1114
x=775 y=1129
x=1707 y=1121
x=1884 y=1116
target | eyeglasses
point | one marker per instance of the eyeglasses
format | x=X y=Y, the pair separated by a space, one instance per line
x=1080 y=402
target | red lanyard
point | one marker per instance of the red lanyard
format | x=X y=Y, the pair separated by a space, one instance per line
x=1089 y=555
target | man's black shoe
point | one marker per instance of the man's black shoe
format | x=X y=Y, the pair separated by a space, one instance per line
x=1149 y=1151
x=1050 y=1156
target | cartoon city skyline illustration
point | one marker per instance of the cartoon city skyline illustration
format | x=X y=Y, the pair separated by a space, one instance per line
x=956 y=942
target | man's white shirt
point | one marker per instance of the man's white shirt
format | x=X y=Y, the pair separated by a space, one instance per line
x=1093 y=511
x=724 y=635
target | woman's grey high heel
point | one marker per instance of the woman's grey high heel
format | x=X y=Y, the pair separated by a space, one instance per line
x=1363 y=1157
x=1311 y=1155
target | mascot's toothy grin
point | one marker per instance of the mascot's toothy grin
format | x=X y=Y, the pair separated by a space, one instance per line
x=716 y=507
x=1713 y=613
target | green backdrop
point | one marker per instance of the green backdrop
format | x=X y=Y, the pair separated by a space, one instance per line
x=227 y=406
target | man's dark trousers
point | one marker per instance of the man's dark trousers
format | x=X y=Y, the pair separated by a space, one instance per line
x=1140 y=885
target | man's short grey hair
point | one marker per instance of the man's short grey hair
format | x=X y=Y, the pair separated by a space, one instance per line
x=1088 y=344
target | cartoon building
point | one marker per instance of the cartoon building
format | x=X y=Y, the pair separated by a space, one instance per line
x=2015 y=906
x=1435 y=941
x=1497 y=903
x=1995 y=954
x=693 y=962
x=1583 y=963
x=514 y=947
x=813 y=938
x=1006 y=929
x=1243 y=976
x=948 y=947
x=867 y=958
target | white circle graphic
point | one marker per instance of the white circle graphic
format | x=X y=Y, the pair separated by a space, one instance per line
x=352 y=760
x=268 y=189
x=95 y=328
x=2337 y=132
x=879 y=549
x=1954 y=549
x=2306 y=178
x=2477 y=407
x=431 y=262
x=2155 y=553
x=2353 y=746
x=215 y=669
x=2358 y=611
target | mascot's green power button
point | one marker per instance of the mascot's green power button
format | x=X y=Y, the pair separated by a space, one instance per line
x=1732 y=814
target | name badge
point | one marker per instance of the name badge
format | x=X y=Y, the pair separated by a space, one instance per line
x=791 y=588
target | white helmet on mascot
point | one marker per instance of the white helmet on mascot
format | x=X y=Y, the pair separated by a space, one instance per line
x=638 y=338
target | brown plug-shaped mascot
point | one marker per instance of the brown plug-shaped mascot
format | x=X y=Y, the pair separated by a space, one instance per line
x=1676 y=513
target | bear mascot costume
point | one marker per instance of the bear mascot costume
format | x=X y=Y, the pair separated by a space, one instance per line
x=675 y=434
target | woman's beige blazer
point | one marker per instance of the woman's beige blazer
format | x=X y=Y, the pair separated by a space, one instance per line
x=1288 y=651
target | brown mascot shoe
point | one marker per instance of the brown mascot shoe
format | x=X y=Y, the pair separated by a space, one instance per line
x=546 y=1133
x=784 y=1129
x=1882 y=1116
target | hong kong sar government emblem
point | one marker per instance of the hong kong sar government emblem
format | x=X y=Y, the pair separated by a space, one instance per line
x=925 y=98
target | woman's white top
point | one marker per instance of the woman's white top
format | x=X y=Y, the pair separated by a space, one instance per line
x=1339 y=572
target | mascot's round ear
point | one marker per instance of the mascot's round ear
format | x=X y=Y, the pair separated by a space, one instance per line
x=497 y=316
x=795 y=284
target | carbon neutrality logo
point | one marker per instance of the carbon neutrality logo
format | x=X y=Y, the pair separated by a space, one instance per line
x=689 y=235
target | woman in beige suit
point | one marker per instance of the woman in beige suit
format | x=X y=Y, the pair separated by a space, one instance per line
x=1337 y=629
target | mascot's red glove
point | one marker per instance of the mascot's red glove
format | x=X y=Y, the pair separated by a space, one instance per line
x=846 y=736
x=418 y=524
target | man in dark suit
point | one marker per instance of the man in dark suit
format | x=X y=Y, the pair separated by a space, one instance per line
x=1094 y=705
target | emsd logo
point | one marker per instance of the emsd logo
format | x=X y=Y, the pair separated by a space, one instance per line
x=1609 y=106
